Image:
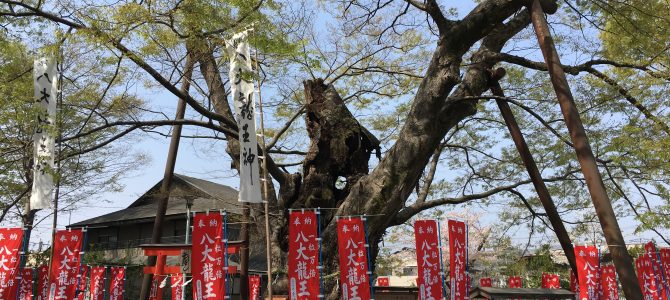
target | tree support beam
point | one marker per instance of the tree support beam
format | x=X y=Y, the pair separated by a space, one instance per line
x=164 y=193
x=601 y=202
x=533 y=172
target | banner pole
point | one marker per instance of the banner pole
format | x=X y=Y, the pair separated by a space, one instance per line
x=59 y=104
x=442 y=270
x=268 y=245
x=226 y=274
x=318 y=230
x=367 y=254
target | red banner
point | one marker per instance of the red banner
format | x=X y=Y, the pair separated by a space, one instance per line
x=354 y=271
x=609 y=283
x=599 y=281
x=551 y=281
x=514 y=282
x=43 y=283
x=81 y=288
x=665 y=264
x=588 y=264
x=207 y=257
x=65 y=263
x=383 y=281
x=428 y=259
x=458 y=257
x=117 y=282
x=156 y=291
x=98 y=283
x=254 y=287
x=485 y=282
x=26 y=287
x=303 y=255
x=11 y=240
x=645 y=277
x=176 y=282
x=657 y=271
x=574 y=284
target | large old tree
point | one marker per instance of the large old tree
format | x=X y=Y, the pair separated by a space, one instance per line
x=380 y=107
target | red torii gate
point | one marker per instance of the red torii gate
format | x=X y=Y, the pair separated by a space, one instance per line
x=162 y=251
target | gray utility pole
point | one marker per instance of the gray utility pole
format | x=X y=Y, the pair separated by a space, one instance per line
x=601 y=202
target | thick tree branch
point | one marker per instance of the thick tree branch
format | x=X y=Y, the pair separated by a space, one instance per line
x=431 y=116
x=428 y=178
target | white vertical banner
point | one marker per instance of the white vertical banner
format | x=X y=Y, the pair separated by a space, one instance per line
x=45 y=78
x=242 y=89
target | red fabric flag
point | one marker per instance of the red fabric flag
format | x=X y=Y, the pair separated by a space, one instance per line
x=458 y=258
x=609 y=283
x=383 y=281
x=428 y=259
x=574 y=284
x=599 y=282
x=514 y=282
x=656 y=270
x=254 y=287
x=176 y=282
x=303 y=255
x=588 y=264
x=43 y=283
x=208 y=257
x=485 y=282
x=117 y=282
x=81 y=288
x=551 y=281
x=354 y=271
x=645 y=276
x=97 y=283
x=26 y=288
x=65 y=263
x=156 y=291
x=665 y=264
x=11 y=240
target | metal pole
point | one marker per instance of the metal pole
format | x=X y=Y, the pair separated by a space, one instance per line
x=188 y=222
x=244 y=253
x=601 y=202
x=54 y=225
x=164 y=193
x=268 y=246
x=533 y=172
x=268 y=249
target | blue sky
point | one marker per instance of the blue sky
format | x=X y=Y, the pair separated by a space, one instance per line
x=205 y=160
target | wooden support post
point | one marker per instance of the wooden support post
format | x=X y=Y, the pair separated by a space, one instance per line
x=164 y=193
x=601 y=202
x=533 y=172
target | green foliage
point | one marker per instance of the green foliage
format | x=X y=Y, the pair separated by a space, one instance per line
x=376 y=57
x=531 y=268
x=83 y=175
